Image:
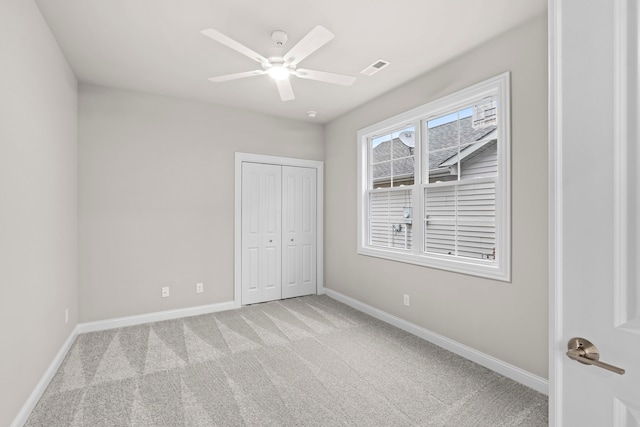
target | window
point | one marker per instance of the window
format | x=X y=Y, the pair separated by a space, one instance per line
x=391 y=176
x=434 y=183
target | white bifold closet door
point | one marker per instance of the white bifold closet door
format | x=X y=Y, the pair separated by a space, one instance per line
x=261 y=232
x=298 y=231
x=278 y=232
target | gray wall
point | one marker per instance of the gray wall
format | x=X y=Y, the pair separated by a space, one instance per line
x=505 y=320
x=156 y=197
x=38 y=202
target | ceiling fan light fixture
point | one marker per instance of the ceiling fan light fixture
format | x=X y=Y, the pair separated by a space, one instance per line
x=281 y=67
x=278 y=72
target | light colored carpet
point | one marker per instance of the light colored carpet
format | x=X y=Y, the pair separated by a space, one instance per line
x=309 y=361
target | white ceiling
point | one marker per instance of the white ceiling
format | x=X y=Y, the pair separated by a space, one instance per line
x=155 y=46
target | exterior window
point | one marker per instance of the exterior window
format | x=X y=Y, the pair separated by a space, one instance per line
x=459 y=207
x=434 y=183
x=391 y=180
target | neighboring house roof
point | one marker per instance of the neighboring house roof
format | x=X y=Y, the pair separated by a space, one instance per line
x=402 y=168
x=471 y=151
x=400 y=149
x=446 y=136
x=439 y=139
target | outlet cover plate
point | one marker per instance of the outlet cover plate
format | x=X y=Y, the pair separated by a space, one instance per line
x=165 y=292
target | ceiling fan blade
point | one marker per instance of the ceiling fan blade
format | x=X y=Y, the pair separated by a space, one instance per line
x=285 y=89
x=323 y=76
x=235 y=76
x=221 y=38
x=313 y=41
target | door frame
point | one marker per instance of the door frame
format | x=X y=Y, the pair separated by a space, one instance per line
x=280 y=161
x=555 y=209
x=557 y=346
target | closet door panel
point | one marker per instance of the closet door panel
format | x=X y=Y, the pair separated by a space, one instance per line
x=261 y=233
x=299 y=231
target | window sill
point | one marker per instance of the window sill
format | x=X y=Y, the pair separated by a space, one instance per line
x=478 y=268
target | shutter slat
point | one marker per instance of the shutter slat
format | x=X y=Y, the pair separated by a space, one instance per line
x=469 y=209
x=387 y=208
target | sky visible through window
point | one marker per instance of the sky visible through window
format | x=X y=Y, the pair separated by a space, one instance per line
x=389 y=137
x=462 y=114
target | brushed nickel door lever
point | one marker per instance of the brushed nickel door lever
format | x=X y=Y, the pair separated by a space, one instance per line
x=583 y=351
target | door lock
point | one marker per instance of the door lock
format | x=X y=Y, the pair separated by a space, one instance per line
x=583 y=351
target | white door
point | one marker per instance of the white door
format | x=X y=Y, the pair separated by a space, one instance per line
x=261 y=232
x=298 y=231
x=595 y=227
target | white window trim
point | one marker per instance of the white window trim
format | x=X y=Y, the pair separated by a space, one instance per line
x=498 y=87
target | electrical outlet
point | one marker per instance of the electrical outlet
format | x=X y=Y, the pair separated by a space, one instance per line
x=165 y=292
x=199 y=288
x=406 y=300
x=66 y=315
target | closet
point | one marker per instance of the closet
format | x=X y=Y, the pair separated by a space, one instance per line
x=278 y=232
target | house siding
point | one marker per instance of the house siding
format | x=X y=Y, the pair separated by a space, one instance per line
x=483 y=165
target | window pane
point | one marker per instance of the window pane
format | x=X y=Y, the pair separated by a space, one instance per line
x=381 y=149
x=440 y=219
x=460 y=219
x=440 y=237
x=388 y=225
x=381 y=175
x=477 y=220
x=485 y=113
x=454 y=145
x=391 y=159
x=480 y=160
x=403 y=143
x=403 y=168
x=469 y=133
x=403 y=172
x=400 y=171
x=442 y=132
x=379 y=233
x=443 y=166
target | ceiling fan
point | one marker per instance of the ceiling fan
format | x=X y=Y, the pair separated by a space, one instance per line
x=281 y=67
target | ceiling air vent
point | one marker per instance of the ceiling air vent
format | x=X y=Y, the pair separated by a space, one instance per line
x=375 y=67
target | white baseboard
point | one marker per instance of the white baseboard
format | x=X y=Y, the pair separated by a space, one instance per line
x=513 y=372
x=42 y=385
x=120 y=322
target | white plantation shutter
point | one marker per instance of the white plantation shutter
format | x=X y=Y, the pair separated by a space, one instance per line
x=379 y=225
x=440 y=219
x=386 y=210
x=460 y=218
x=477 y=219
